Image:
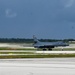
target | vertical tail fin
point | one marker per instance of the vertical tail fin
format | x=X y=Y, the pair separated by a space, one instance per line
x=35 y=39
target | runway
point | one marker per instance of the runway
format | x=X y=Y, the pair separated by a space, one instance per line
x=42 y=66
x=56 y=52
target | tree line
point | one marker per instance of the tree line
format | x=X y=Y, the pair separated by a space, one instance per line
x=25 y=40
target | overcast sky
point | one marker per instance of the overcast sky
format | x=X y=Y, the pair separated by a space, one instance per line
x=53 y=19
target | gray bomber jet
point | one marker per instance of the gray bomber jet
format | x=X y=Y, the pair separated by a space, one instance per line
x=47 y=45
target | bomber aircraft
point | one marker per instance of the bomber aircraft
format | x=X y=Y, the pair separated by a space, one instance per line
x=47 y=45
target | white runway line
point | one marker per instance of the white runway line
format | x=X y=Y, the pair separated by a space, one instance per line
x=56 y=52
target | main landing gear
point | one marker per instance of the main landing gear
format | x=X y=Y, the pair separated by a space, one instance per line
x=49 y=49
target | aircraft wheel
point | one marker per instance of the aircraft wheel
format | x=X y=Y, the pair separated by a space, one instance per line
x=50 y=49
x=44 y=49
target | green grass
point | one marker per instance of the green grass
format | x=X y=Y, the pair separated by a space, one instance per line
x=16 y=52
x=54 y=49
x=32 y=54
x=7 y=48
x=39 y=56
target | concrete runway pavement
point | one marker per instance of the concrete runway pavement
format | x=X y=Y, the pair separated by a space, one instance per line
x=42 y=66
x=56 y=52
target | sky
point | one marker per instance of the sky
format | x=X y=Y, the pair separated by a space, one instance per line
x=50 y=19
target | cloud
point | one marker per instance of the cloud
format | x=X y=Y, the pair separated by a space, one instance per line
x=67 y=3
x=10 y=13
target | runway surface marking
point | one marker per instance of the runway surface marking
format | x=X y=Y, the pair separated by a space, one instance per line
x=56 y=52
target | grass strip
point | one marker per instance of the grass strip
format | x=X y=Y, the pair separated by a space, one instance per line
x=7 y=48
x=17 y=52
x=38 y=56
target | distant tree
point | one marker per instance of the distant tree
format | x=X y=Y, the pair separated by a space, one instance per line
x=24 y=40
